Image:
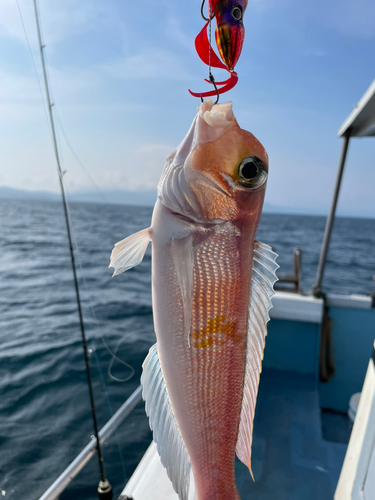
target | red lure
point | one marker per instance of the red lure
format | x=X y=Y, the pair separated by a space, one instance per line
x=229 y=35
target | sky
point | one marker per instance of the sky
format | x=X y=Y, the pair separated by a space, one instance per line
x=119 y=72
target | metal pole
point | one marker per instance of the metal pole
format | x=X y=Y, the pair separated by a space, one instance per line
x=317 y=288
x=297 y=268
x=63 y=481
x=103 y=484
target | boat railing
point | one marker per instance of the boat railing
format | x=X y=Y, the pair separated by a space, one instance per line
x=294 y=279
x=63 y=481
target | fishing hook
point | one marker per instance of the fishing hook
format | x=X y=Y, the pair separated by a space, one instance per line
x=202 y=14
x=212 y=80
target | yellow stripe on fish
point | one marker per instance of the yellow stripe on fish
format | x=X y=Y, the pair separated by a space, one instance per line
x=218 y=331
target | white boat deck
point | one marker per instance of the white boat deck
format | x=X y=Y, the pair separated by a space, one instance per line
x=150 y=480
x=291 y=459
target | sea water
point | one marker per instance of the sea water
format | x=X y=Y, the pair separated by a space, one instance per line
x=45 y=418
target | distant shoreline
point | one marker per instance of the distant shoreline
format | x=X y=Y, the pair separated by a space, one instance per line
x=145 y=199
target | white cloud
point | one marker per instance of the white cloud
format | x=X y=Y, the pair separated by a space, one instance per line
x=175 y=32
x=59 y=19
x=141 y=169
x=148 y=162
x=19 y=88
x=150 y=63
x=34 y=167
x=21 y=98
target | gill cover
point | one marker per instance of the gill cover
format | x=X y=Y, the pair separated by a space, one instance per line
x=176 y=186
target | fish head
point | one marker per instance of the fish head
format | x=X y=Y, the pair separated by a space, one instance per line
x=230 y=31
x=218 y=173
x=228 y=173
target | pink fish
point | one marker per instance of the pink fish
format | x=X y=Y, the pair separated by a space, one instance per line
x=212 y=285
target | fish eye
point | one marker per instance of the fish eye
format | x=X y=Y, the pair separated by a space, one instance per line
x=252 y=172
x=237 y=13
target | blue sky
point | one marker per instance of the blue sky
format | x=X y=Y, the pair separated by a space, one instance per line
x=120 y=71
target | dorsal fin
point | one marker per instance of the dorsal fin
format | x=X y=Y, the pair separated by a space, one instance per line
x=166 y=433
x=262 y=281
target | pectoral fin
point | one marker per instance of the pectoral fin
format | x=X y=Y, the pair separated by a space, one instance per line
x=129 y=252
x=262 y=281
x=166 y=433
x=183 y=259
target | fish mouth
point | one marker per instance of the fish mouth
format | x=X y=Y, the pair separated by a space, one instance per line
x=229 y=40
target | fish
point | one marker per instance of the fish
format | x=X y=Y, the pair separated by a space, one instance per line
x=212 y=284
x=229 y=37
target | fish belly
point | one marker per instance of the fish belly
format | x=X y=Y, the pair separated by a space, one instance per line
x=204 y=367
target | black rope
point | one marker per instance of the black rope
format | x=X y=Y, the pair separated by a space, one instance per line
x=326 y=357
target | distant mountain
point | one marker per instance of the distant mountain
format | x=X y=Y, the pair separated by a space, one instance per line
x=276 y=209
x=8 y=192
x=118 y=197
x=148 y=198
x=138 y=198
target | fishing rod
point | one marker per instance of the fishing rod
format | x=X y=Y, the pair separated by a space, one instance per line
x=104 y=487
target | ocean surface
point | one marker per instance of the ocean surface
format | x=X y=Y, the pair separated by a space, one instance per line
x=45 y=418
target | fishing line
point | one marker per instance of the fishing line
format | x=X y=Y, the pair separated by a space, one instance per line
x=94 y=350
x=45 y=59
x=78 y=160
x=111 y=413
x=210 y=75
x=104 y=487
x=61 y=174
x=209 y=39
x=88 y=290
x=98 y=324
x=114 y=357
x=36 y=71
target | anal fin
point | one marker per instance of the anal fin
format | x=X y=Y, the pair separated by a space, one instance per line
x=166 y=433
x=129 y=252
